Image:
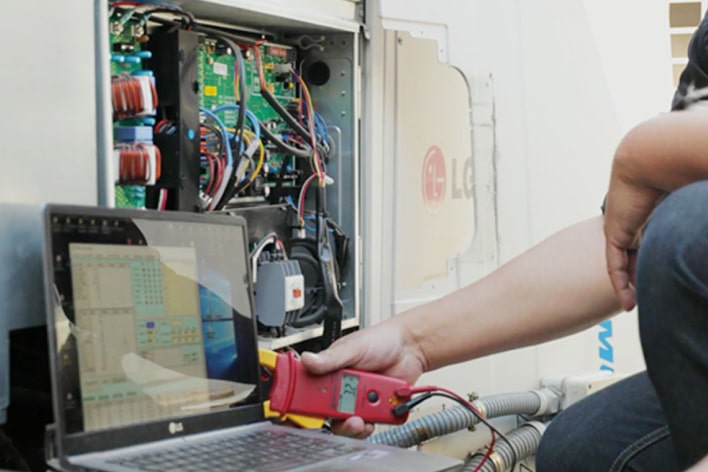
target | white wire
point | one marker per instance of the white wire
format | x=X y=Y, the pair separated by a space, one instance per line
x=269 y=238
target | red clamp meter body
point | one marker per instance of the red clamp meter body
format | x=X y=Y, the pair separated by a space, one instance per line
x=340 y=394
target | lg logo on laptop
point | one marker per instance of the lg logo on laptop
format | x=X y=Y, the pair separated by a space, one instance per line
x=175 y=427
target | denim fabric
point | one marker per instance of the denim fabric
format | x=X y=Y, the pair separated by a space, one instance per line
x=672 y=294
x=619 y=428
x=655 y=421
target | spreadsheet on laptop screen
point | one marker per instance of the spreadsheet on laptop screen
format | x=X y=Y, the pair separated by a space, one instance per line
x=159 y=320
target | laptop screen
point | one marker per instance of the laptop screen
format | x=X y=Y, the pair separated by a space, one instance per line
x=155 y=319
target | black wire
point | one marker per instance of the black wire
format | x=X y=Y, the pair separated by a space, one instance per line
x=483 y=420
x=265 y=131
x=201 y=28
x=231 y=189
x=290 y=119
x=280 y=144
x=243 y=90
x=184 y=14
x=224 y=34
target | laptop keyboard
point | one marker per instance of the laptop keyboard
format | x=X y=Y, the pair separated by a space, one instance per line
x=261 y=451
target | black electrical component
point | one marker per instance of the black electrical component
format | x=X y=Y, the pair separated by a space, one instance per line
x=174 y=62
x=123 y=47
x=332 y=304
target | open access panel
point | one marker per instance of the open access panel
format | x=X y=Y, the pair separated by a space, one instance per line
x=230 y=107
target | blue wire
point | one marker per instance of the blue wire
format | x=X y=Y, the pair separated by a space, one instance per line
x=290 y=202
x=249 y=114
x=321 y=128
x=220 y=124
x=256 y=124
x=312 y=229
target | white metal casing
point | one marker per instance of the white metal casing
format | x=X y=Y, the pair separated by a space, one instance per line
x=562 y=92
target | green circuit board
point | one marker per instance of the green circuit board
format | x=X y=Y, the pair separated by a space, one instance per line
x=217 y=83
x=127 y=34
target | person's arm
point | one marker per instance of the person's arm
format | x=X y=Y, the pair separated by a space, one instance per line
x=665 y=152
x=556 y=288
x=656 y=157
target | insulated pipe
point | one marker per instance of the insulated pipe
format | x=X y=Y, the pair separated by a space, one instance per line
x=533 y=403
x=524 y=440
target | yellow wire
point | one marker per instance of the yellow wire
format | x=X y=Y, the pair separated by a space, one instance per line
x=247 y=140
x=261 y=159
x=311 y=110
x=248 y=137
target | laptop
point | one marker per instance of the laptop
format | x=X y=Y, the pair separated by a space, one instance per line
x=154 y=354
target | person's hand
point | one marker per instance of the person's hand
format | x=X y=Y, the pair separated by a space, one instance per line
x=385 y=348
x=627 y=209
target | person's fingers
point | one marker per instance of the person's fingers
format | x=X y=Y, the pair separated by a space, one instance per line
x=618 y=270
x=341 y=354
x=368 y=431
x=352 y=427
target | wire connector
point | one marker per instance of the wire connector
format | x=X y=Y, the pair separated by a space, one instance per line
x=403 y=408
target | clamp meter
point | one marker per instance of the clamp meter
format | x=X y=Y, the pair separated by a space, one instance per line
x=339 y=395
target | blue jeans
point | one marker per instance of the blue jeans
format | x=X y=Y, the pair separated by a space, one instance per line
x=655 y=420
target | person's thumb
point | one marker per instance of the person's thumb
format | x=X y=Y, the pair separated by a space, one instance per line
x=326 y=361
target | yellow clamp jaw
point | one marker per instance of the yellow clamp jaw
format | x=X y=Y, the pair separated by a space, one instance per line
x=269 y=359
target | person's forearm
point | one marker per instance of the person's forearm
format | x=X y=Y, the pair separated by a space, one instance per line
x=556 y=288
x=666 y=152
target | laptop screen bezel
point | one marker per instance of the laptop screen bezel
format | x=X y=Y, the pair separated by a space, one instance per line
x=68 y=444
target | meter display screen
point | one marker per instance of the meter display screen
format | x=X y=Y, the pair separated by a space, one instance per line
x=347 y=393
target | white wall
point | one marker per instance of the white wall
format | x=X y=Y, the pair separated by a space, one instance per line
x=48 y=102
x=569 y=78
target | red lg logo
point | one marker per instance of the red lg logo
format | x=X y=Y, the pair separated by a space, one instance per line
x=434 y=178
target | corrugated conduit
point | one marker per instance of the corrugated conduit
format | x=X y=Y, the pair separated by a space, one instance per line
x=457 y=418
x=524 y=440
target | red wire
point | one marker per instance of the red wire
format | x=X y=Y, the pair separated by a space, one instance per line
x=124 y=4
x=485 y=458
x=215 y=173
x=303 y=192
x=311 y=126
x=160 y=124
x=212 y=177
x=218 y=172
x=468 y=404
x=259 y=64
x=163 y=194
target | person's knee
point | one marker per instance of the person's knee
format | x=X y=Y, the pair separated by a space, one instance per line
x=675 y=229
x=556 y=452
x=549 y=450
x=673 y=241
x=672 y=253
